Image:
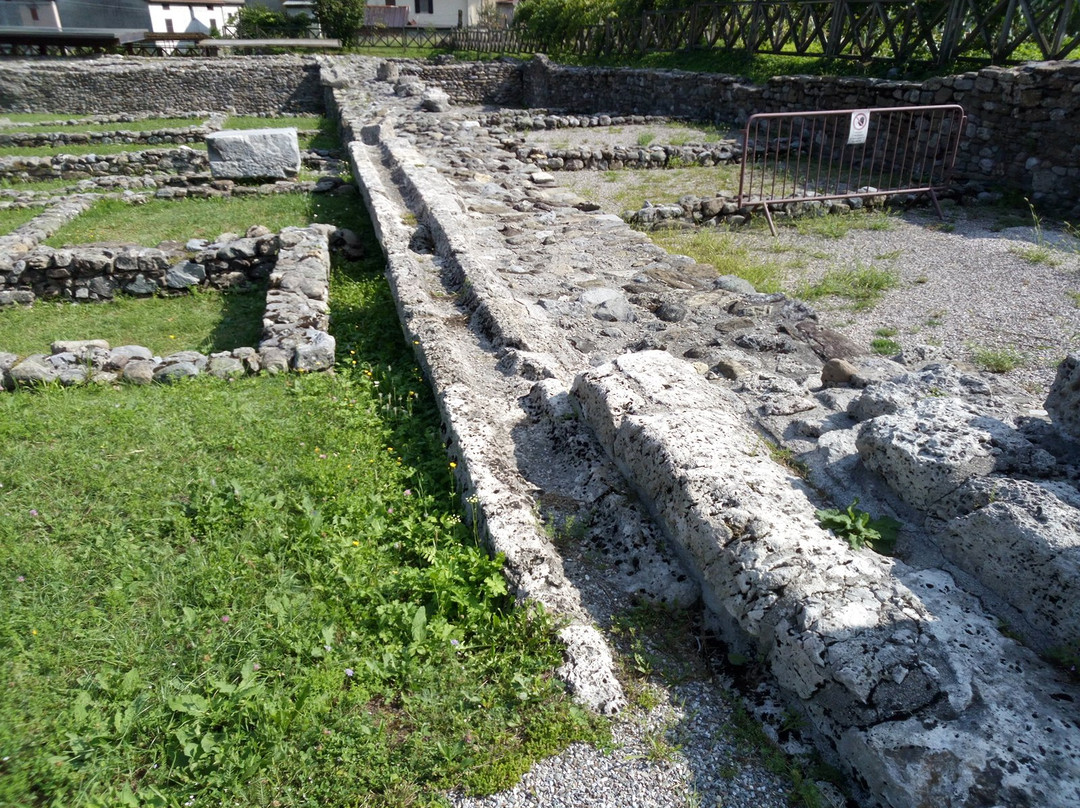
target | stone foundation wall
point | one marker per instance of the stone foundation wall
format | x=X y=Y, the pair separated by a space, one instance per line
x=1017 y=134
x=157 y=137
x=284 y=84
x=296 y=263
x=82 y=166
x=498 y=83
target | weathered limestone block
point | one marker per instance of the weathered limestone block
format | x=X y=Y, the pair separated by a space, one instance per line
x=435 y=100
x=1063 y=403
x=34 y=369
x=225 y=366
x=185 y=274
x=254 y=153
x=836 y=628
x=934 y=381
x=1021 y=539
x=119 y=357
x=929 y=450
x=906 y=680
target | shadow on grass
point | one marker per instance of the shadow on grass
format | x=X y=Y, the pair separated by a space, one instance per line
x=241 y=321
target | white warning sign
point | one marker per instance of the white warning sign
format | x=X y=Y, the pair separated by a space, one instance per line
x=860 y=123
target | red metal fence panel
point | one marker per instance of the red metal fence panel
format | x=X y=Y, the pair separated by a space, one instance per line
x=841 y=154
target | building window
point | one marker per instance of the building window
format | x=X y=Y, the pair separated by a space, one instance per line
x=165 y=6
x=33 y=13
x=425 y=6
x=168 y=26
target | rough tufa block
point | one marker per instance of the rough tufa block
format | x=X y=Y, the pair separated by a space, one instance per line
x=254 y=153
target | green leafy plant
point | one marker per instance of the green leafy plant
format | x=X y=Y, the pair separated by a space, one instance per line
x=884 y=346
x=997 y=360
x=859 y=529
x=862 y=284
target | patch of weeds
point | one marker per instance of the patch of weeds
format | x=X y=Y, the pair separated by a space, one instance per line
x=892 y=255
x=859 y=529
x=1074 y=297
x=884 y=346
x=787 y=458
x=611 y=175
x=997 y=360
x=1037 y=254
x=645 y=138
x=1040 y=252
x=720 y=250
x=886 y=331
x=941 y=227
x=936 y=318
x=752 y=742
x=1067 y=658
x=659 y=640
x=922 y=279
x=862 y=285
x=835 y=225
x=658 y=748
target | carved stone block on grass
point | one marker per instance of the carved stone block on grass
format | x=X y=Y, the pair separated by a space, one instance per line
x=254 y=153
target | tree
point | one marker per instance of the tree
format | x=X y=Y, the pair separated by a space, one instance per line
x=340 y=19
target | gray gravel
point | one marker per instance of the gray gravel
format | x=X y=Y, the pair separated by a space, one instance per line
x=675 y=755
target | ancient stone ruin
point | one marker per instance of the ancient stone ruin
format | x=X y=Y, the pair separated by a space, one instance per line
x=583 y=371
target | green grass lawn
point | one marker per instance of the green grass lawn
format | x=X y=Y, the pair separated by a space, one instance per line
x=13 y=218
x=204 y=321
x=258 y=592
x=179 y=220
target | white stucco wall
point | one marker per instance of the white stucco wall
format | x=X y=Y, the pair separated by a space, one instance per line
x=189 y=17
x=444 y=13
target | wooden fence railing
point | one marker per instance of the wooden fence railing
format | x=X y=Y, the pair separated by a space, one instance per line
x=898 y=31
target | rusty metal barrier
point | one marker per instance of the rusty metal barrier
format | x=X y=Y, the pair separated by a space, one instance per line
x=842 y=154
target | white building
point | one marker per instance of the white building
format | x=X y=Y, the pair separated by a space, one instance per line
x=438 y=13
x=190 y=17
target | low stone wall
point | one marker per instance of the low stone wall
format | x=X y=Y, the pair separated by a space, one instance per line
x=25 y=237
x=1015 y=134
x=496 y=83
x=80 y=166
x=157 y=137
x=285 y=84
x=100 y=273
x=295 y=323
